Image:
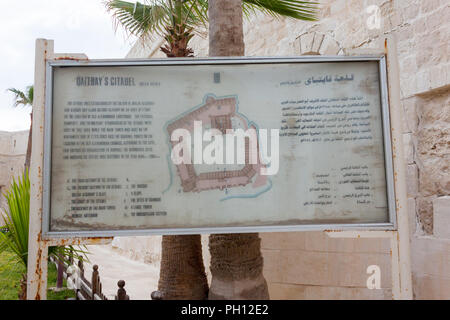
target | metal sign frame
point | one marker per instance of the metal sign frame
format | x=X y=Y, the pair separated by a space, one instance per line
x=384 y=102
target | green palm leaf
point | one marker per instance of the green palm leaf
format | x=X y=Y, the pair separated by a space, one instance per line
x=142 y=19
x=16 y=224
x=301 y=10
x=16 y=219
x=22 y=98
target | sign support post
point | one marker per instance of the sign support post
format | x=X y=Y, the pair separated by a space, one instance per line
x=37 y=250
x=404 y=252
x=399 y=239
x=37 y=246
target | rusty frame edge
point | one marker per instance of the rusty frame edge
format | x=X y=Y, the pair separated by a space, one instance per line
x=37 y=244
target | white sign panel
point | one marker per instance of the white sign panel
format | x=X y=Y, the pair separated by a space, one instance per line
x=229 y=145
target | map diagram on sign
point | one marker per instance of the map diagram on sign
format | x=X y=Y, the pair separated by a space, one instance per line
x=234 y=180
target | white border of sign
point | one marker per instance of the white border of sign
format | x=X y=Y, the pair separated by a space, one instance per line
x=51 y=64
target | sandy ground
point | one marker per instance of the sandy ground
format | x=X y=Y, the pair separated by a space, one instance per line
x=140 y=278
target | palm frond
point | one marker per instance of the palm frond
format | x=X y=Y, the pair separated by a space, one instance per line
x=16 y=224
x=16 y=219
x=301 y=10
x=140 y=19
x=64 y=253
x=195 y=13
x=30 y=94
x=22 y=98
x=143 y=19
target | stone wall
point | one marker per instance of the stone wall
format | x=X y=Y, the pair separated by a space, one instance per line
x=310 y=265
x=13 y=147
x=143 y=249
x=428 y=144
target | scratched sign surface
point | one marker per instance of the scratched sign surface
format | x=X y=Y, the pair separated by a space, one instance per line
x=319 y=142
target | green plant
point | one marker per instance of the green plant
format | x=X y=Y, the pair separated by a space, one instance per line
x=25 y=98
x=16 y=219
x=12 y=272
x=16 y=224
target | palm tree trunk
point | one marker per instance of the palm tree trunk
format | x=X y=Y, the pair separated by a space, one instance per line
x=226 y=36
x=236 y=267
x=236 y=260
x=23 y=288
x=28 y=154
x=182 y=272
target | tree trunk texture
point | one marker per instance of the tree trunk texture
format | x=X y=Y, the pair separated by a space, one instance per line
x=28 y=154
x=236 y=267
x=182 y=273
x=236 y=260
x=23 y=288
x=226 y=36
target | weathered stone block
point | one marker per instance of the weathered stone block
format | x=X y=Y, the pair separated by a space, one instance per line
x=439 y=77
x=433 y=149
x=420 y=25
x=316 y=241
x=281 y=291
x=408 y=66
x=423 y=80
x=331 y=268
x=329 y=46
x=428 y=6
x=318 y=38
x=371 y=245
x=431 y=268
x=296 y=45
x=306 y=42
x=441 y=217
x=411 y=119
x=304 y=267
x=412 y=216
x=412 y=180
x=431 y=288
x=425 y=214
x=273 y=269
x=429 y=257
x=395 y=19
x=409 y=147
x=283 y=240
x=405 y=33
x=337 y=6
x=410 y=12
x=350 y=269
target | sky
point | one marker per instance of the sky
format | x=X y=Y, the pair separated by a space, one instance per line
x=81 y=26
